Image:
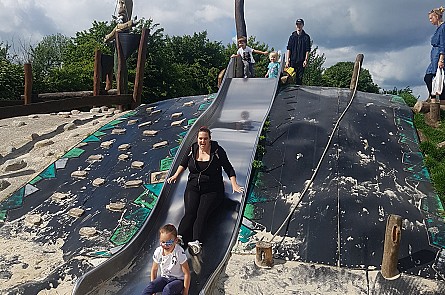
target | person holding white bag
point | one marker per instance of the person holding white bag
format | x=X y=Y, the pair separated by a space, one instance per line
x=435 y=68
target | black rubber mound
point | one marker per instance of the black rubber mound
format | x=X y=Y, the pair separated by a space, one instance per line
x=373 y=168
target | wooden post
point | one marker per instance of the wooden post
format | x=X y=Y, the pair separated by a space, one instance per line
x=435 y=110
x=139 y=79
x=120 y=70
x=355 y=73
x=240 y=23
x=391 y=246
x=264 y=256
x=28 y=83
x=97 y=72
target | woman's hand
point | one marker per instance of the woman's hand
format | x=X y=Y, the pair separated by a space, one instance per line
x=237 y=188
x=172 y=178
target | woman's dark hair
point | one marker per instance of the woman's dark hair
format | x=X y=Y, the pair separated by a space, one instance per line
x=204 y=129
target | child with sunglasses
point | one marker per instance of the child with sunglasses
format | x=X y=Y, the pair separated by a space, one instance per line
x=172 y=261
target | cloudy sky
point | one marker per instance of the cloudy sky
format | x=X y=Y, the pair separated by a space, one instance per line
x=393 y=35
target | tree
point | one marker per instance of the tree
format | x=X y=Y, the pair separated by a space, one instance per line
x=340 y=75
x=11 y=76
x=314 y=69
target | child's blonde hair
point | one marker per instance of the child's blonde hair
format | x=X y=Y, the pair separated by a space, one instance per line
x=169 y=229
x=273 y=53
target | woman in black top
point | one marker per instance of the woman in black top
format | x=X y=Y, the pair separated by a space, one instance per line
x=205 y=186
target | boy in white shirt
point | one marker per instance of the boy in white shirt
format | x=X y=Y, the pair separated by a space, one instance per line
x=246 y=54
x=171 y=259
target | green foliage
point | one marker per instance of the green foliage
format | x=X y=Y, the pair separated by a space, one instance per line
x=405 y=93
x=434 y=156
x=11 y=80
x=340 y=75
x=314 y=69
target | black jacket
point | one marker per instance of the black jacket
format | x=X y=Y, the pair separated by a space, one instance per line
x=298 y=46
x=209 y=179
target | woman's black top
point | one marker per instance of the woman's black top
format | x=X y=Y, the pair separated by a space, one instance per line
x=207 y=177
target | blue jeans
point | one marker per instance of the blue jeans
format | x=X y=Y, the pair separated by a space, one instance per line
x=171 y=286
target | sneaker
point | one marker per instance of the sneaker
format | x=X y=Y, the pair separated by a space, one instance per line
x=245 y=77
x=195 y=247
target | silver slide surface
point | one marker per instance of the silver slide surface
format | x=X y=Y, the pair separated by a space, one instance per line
x=235 y=118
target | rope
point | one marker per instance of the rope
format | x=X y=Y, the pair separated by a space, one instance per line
x=309 y=183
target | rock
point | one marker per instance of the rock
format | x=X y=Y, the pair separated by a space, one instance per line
x=64 y=114
x=76 y=122
x=95 y=122
x=98 y=181
x=81 y=144
x=439 y=145
x=137 y=164
x=14 y=165
x=4 y=184
x=177 y=123
x=95 y=158
x=33 y=116
x=88 y=232
x=59 y=196
x=18 y=123
x=111 y=110
x=155 y=112
x=117 y=207
x=95 y=110
x=34 y=136
x=117 y=112
x=48 y=153
x=33 y=219
x=42 y=143
x=132 y=122
x=124 y=147
x=144 y=124
x=189 y=104
x=118 y=131
x=75 y=112
x=157 y=177
x=10 y=149
x=160 y=144
x=74 y=135
x=107 y=144
x=133 y=183
x=80 y=174
x=150 y=109
x=149 y=132
x=104 y=108
x=76 y=212
x=176 y=115
x=69 y=126
x=123 y=157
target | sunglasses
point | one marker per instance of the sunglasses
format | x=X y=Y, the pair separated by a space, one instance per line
x=168 y=243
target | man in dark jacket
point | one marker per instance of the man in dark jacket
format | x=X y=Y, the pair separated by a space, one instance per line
x=298 y=49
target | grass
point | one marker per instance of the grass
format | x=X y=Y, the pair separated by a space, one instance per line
x=434 y=156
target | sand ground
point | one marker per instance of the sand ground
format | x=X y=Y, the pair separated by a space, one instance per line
x=33 y=142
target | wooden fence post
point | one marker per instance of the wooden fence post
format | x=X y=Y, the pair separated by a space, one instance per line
x=97 y=72
x=355 y=73
x=139 y=79
x=435 y=110
x=391 y=246
x=264 y=256
x=28 y=83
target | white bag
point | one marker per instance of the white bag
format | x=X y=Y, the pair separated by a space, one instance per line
x=438 y=82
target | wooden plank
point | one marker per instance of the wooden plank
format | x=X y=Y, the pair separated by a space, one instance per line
x=8 y=103
x=64 y=105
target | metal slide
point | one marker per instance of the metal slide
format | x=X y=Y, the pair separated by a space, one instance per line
x=235 y=118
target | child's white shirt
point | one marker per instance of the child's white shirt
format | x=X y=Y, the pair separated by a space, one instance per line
x=170 y=264
x=246 y=53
